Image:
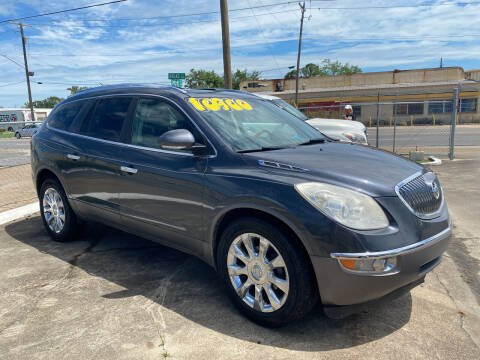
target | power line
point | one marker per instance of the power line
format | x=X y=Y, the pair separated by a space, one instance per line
x=308 y=36
x=192 y=14
x=426 y=37
x=237 y=18
x=62 y=11
x=13 y=83
x=272 y=5
x=398 y=6
x=261 y=32
x=18 y=64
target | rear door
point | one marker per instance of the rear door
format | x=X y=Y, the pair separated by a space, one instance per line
x=95 y=165
x=161 y=192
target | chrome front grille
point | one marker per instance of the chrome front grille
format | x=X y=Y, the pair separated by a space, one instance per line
x=422 y=194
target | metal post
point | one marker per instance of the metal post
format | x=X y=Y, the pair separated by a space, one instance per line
x=451 y=155
x=302 y=6
x=378 y=115
x=395 y=120
x=27 y=73
x=227 y=66
x=340 y=108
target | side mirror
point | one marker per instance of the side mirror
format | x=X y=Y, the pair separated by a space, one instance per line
x=178 y=139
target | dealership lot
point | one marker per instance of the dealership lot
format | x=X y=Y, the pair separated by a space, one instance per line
x=112 y=295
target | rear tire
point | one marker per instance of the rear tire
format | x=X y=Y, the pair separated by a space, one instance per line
x=57 y=215
x=273 y=258
x=18 y=136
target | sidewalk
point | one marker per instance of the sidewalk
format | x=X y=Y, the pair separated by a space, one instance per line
x=16 y=187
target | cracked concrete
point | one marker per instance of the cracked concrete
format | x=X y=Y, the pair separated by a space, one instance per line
x=111 y=295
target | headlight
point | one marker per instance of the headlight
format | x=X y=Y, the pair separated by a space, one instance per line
x=350 y=208
x=356 y=138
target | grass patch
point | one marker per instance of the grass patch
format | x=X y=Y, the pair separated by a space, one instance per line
x=6 y=134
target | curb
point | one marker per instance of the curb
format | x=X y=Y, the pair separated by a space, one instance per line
x=433 y=161
x=17 y=213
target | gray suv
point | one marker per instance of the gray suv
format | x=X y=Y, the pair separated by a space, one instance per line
x=286 y=216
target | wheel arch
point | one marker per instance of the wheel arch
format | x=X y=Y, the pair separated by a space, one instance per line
x=42 y=175
x=252 y=211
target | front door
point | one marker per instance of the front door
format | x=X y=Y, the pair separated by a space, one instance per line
x=162 y=191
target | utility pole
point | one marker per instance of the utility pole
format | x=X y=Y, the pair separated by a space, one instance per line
x=302 y=7
x=227 y=66
x=27 y=73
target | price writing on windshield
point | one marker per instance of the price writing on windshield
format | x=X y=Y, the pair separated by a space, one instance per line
x=216 y=104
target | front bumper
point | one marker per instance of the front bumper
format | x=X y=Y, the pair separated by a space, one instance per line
x=339 y=286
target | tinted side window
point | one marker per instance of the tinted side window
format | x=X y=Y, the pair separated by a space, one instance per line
x=108 y=119
x=63 y=117
x=153 y=117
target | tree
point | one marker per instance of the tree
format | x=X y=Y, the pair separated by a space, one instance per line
x=327 y=68
x=47 y=103
x=337 y=68
x=310 y=70
x=74 y=89
x=203 y=79
x=291 y=74
x=242 y=75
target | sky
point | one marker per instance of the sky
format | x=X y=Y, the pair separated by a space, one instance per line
x=142 y=41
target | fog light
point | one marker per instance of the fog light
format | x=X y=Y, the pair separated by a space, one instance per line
x=369 y=266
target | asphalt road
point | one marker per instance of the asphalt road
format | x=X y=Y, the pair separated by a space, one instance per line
x=425 y=136
x=14 y=152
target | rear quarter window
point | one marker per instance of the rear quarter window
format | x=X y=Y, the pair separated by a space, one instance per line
x=64 y=116
x=105 y=120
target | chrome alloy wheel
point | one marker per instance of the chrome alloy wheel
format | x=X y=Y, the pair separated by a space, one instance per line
x=258 y=272
x=53 y=210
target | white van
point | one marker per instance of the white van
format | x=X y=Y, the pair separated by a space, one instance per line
x=12 y=119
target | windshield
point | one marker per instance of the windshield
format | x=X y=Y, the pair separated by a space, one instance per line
x=292 y=110
x=250 y=125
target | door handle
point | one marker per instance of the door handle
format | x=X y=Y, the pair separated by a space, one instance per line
x=73 y=157
x=128 y=170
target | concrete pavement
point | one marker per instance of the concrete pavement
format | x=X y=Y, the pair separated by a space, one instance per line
x=111 y=295
x=16 y=187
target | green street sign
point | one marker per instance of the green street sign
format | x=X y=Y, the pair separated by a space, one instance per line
x=176 y=76
x=176 y=82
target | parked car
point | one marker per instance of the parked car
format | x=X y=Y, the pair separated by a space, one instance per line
x=342 y=130
x=27 y=131
x=286 y=216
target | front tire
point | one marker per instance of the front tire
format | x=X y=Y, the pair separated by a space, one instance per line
x=57 y=215
x=266 y=273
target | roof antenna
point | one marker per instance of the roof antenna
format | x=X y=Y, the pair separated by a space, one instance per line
x=441 y=63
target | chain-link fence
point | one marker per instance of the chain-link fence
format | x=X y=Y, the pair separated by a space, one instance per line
x=432 y=120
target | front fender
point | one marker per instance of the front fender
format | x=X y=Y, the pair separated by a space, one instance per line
x=264 y=205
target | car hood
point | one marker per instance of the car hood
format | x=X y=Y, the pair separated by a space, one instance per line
x=336 y=124
x=373 y=172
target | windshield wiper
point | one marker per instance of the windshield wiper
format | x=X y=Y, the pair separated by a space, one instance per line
x=312 y=141
x=263 y=148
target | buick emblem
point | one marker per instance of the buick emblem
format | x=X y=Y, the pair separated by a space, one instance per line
x=430 y=182
x=435 y=190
